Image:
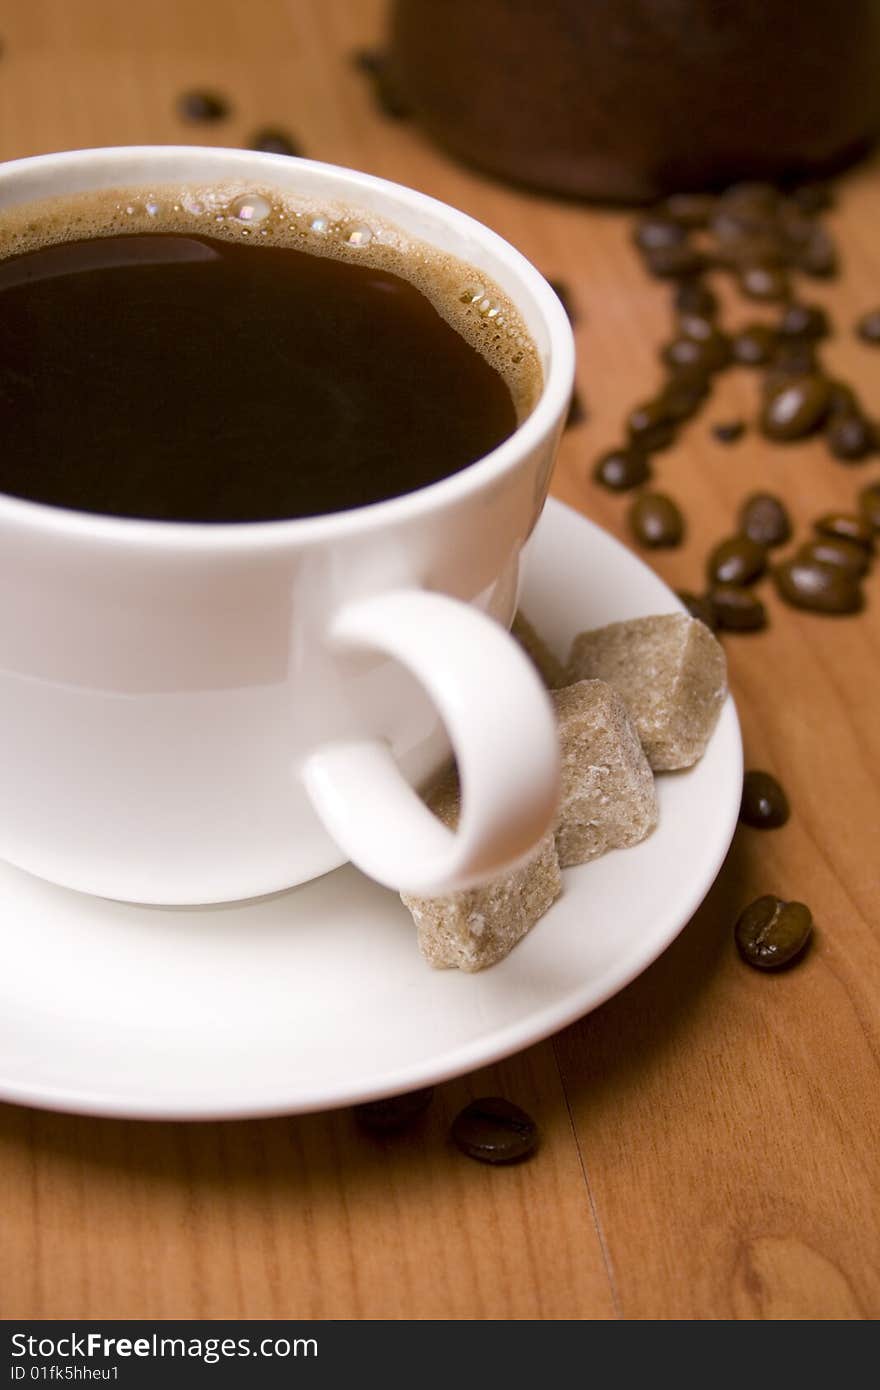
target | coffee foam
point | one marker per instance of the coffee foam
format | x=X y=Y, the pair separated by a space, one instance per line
x=469 y=301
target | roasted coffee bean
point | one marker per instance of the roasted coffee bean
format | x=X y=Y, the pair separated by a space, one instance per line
x=764 y=282
x=762 y=248
x=695 y=297
x=754 y=198
x=794 y=357
x=818 y=255
x=813 y=197
x=690 y=209
x=851 y=437
x=728 y=432
x=654 y=232
x=754 y=346
x=770 y=932
x=847 y=527
x=577 y=412
x=656 y=520
x=684 y=393
x=650 y=425
x=495 y=1130
x=675 y=262
x=622 y=469
x=804 y=321
x=795 y=409
x=202 y=106
x=764 y=804
x=843 y=400
x=563 y=294
x=869 y=505
x=846 y=555
x=272 y=140
x=389 y=99
x=700 y=606
x=819 y=588
x=737 y=609
x=707 y=355
x=764 y=519
x=394 y=1112
x=868 y=327
x=737 y=560
x=795 y=224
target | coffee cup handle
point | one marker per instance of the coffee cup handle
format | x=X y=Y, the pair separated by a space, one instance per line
x=500 y=723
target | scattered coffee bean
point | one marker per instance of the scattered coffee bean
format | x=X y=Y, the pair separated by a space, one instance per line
x=869 y=505
x=770 y=932
x=851 y=437
x=817 y=256
x=374 y=64
x=650 y=426
x=563 y=294
x=804 y=321
x=690 y=209
x=494 y=1130
x=795 y=357
x=700 y=606
x=737 y=560
x=813 y=197
x=695 y=297
x=848 y=527
x=202 y=106
x=656 y=521
x=797 y=408
x=654 y=232
x=737 y=609
x=753 y=197
x=675 y=262
x=819 y=588
x=728 y=432
x=764 y=282
x=703 y=355
x=622 y=469
x=576 y=411
x=754 y=346
x=868 y=327
x=846 y=555
x=764 y=519
x=394 y=1112
x=684 y=393
x=764 y=804
x=272 y=140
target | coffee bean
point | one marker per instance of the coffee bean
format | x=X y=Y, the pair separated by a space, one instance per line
x=764 y=519
x=819 y=588
x=796 y=225
x=684 y=393
x=650 y=426
x=770 y=932
x=695 y=297
x=737 y=609
x=763 y=282
x=675 y=262
x=274 y=141
x=848 y=527
x=754 y=346
x=202 y=106
x=654 y=232
x=813 y=197
x=818 y=255
x=494 y=1130
x=374 y=64
x=737 y=560
x=797 y=408
x=843 y=400
x=690 y=209
x=764 y=248
x=700 y=606
x=764 y=804
x=868 y=327
x=754 y=198
x=394 y=1112
x=851 y=437
x=576 y=411
x=656 y=521
x=705 y=355
x=622 y=469
x=563 y=294
x=846 y=555
x=729 y=432
x=793 y=357
x=804 y=321
x=869 y=505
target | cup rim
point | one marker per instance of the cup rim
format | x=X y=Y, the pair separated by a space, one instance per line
x=547 y=414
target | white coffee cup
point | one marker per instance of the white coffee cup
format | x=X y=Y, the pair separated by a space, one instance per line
x=196 y=713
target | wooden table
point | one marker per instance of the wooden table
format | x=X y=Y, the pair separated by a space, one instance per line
x=710 y=1135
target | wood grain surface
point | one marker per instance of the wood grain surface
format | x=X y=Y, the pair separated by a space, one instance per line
x=710 y=1135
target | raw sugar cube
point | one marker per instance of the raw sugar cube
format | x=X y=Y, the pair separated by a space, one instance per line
x=672 y=675
x=608 y=796
x=549 y=667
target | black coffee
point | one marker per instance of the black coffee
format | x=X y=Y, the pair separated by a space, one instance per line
x=243 y=364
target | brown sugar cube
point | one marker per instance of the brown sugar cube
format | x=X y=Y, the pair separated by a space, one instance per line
x=548 y=666
x=608 y=800
x=480 y=926
x=672 y=675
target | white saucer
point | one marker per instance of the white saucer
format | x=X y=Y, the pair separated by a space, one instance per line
x=318 y=997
